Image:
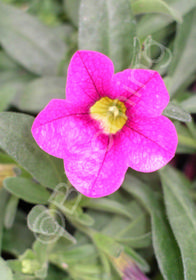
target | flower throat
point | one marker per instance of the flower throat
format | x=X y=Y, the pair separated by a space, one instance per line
x=110 y=113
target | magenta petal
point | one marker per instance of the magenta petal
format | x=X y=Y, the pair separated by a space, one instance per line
x=151 y=143
x=100 y=169
x=96 y=163
x=93 y=164
x=89 y=76
x=143 y=90
x=54 y=124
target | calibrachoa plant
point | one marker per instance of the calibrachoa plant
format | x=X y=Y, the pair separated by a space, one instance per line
x=107 y=123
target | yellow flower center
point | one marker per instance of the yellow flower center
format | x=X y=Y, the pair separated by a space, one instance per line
x=110 y=113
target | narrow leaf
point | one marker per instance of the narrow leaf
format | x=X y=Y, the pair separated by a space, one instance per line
x=38 y=93
x=184 y=51
x=72 y=10
x=141 y=241
x=6 y=63
x=12 y=83
x=3 y=201
x=6 y=95
x=153 y=23
x=17 y=141
x=10 y=211
x=186 y=141
x=108 y=27
x=27 y=190
x=141 y=262
x=73 y=254
x=108 y=205
x=155 y=6
x=165 y=246
x=182 y=217
x=32 y=44
x=14 y=242
x=189 y=104
x=176 y=112
x=107 y=245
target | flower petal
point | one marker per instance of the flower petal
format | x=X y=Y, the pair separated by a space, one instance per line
x=151 y=143
x=100 y=169
x=143 y=90
x=94 y=165
x=89 y=75
x=55 y=124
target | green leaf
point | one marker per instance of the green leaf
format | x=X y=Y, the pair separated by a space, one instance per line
x=189 y=104
x=86 y=271
x=17 y=141
x=4 y=158
x=81 y=218
x=135 y=233
x=6 y=273
x=106 y=267
x=6 y=95
x=101 y=219
x=153 y=23
x=38 y=93
x=32 y=44
x=192 y=128
x=12 y=83
x=155 y=6
x=3 y=202
x=27 y=190
x=184 y=51
x=182 y=217
x=107 y=245
x=14 y=242
x=136 y=53
x=6 y=63
x=165 y=246
x=177 y=113
x=108 y=27
x=186 y=141
x=72 y=255
x=48 y=225
x=143 y=265
x=141 y=241
x=10 y=211
x=72 y=10
x=108 y=205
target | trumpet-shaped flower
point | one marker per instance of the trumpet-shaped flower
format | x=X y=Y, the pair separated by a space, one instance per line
x=107 y=123
x=128 y=268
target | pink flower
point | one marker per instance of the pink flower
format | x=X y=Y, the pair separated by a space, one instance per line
x=107 y=123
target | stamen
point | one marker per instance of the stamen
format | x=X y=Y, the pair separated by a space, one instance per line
x=110 y=113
